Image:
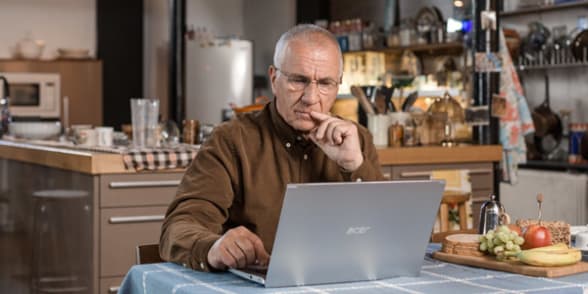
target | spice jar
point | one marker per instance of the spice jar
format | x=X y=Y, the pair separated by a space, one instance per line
x=396 y=135
x=190 y=130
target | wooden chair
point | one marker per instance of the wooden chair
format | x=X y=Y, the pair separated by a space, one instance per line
x=453 y=198
x=148 y=253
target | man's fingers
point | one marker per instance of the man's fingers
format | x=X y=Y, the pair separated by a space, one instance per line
x=237 y=254
x=260 y=253
x=332 y=131
x=247 y=248
x=227 y=258
x=319 y=116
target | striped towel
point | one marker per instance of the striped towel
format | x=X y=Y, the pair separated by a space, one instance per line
x=160 y=158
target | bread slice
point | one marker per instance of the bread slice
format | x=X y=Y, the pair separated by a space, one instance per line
x=462 y=244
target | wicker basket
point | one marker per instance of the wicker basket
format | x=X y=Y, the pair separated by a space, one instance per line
x=560 y=231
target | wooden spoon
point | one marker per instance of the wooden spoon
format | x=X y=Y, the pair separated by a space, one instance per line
x=363 y=100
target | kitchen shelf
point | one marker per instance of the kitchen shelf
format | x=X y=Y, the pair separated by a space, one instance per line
x=546 y=8
x=554 y=165
x=425 y=49
x=521 y=67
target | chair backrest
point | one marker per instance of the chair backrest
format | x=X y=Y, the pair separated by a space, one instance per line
x=148 y=253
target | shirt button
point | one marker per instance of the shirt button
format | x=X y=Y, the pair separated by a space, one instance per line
x=288 y=145
x=358 y=180
x=298 y=138
x=305 y=156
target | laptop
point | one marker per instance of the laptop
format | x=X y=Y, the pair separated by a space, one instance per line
x=345 y=232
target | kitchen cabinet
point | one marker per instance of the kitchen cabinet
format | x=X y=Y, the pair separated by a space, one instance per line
x=126 y=210
x=565 y=196
x=81 y=82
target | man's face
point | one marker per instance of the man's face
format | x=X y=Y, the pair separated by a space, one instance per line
x=307 y=80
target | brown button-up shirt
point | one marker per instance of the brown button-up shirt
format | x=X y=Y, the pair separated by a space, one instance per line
x=239 y=178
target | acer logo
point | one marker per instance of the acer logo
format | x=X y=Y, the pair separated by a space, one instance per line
x=357 y=230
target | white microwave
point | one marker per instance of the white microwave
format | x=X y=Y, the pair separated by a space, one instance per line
x=33 y=94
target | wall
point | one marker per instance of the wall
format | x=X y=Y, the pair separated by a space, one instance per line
x=60 y=23
x=221 y=17
x=156 y=25
x=265 y=21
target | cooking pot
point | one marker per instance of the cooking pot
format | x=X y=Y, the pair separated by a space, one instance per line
x=548 y=126
x=580 y=46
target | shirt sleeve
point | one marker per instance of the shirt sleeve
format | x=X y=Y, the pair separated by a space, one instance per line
x=195 y=218
x=370 y=169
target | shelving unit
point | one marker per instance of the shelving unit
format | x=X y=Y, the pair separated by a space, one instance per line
x=455 y=48
x=546 y=8
x=552 y=66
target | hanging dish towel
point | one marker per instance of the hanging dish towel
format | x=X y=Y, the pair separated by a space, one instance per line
x=517 y=122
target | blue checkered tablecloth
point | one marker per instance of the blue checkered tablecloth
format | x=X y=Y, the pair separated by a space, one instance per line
x=436 y=277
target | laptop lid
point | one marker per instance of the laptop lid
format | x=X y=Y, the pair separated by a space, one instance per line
x=343 y=232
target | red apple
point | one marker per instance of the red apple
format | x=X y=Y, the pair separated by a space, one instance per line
x=515 y=228
x=536 y=236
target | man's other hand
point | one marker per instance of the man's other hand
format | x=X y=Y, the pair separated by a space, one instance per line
x=237 y=248
x=338 y=139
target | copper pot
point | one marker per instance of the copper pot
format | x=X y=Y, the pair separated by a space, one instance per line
x=548 y=126
x=448 y=105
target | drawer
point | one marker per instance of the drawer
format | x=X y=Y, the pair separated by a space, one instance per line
x=121 y=231
x=411 y=172
x=110 y=285
x=481 y=179
x=138 y=189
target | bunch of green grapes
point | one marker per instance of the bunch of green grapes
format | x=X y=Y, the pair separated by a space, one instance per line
x=502 y=242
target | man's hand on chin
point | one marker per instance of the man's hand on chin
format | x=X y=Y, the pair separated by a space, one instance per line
x=338 y=139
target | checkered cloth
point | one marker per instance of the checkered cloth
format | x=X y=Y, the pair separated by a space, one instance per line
x=436 y=277
x=159 y=158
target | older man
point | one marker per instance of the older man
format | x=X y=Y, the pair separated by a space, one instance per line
x=226 y=210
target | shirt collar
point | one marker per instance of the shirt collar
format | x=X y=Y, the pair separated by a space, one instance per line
x=284 y=131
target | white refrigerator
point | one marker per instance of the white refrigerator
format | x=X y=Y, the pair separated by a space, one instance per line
x=218 y=72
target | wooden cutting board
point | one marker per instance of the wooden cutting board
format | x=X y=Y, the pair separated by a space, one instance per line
x=516 y=267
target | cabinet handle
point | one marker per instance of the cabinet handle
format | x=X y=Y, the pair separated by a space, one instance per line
x=113 y=289
x=480 y=171
x=135 y=219
x=142 y=184
x=415 y=174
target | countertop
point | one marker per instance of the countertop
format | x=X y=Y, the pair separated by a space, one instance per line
x=107 y=163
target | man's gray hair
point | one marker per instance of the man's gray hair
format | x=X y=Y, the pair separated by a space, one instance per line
x=304 y=31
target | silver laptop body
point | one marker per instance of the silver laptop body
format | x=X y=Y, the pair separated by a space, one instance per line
x=344 y=232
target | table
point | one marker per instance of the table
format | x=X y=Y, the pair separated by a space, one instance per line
x=436 y=277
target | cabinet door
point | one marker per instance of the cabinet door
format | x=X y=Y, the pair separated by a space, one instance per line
x=138 y=189
x=121 y=231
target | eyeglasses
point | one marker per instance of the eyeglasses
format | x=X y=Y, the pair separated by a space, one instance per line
x=298 y=82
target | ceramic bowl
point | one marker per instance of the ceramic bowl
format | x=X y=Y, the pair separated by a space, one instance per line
x=35 y=130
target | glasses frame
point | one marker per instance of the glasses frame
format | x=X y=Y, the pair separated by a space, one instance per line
x=304 y=81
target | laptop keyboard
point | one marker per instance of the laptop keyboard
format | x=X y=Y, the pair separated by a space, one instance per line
x=255 y=270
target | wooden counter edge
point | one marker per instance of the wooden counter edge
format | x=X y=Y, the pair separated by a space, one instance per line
x=438 y=154
x=47 y=156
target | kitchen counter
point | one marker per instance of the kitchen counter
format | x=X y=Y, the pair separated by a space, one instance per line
x=554 y=166
x=440 y=155
x=95 y=163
